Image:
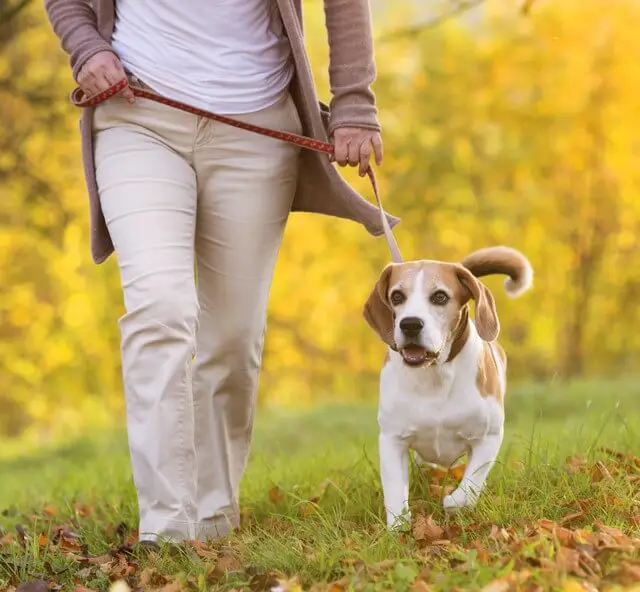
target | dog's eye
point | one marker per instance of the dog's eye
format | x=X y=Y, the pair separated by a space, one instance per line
x=439 y=298
x=396 y=297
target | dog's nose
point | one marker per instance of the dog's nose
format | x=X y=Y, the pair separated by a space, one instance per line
x=411 y=326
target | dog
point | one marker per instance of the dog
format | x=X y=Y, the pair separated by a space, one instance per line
x=443 y=383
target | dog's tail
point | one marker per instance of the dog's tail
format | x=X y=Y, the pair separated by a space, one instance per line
x=502 y=260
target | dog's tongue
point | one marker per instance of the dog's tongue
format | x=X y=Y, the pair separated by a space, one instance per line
x=414 y=354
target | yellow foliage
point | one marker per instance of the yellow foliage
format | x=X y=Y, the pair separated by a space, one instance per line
x=520 y=130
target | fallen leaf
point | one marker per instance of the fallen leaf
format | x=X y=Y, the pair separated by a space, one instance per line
x=120 y=569
x=420 y=586
x=203 y=550
x=575 y=464
x=630 y=570
x=265 y=581
x=276 y=495
x=150 y=578
x=227 y=562
x=599 y=472
x=457 y=472
x=306 y=509
x=499 y=585
x=571 y=517
x=439 y=491
x=568 y=560
x=425 y=529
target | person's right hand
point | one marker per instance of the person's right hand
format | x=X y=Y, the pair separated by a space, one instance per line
x=100 y=72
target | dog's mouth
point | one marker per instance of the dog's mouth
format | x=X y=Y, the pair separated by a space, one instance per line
x=415 y=355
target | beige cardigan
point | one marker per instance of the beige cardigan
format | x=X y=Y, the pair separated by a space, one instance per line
x=85 y=28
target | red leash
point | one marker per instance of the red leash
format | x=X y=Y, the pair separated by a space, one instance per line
x=79 y=100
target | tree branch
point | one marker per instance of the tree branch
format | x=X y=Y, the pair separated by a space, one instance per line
x=459 y=8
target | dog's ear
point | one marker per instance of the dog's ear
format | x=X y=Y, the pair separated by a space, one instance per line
x=377 y=310
x=487 y=322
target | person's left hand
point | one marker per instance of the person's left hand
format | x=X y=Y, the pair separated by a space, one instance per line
x=353 y=147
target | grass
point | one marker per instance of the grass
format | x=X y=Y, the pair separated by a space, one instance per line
x=338 y=541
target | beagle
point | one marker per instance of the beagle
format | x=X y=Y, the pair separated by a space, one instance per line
x=443 y=383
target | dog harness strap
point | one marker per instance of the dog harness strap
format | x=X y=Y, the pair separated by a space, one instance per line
x=79 y=99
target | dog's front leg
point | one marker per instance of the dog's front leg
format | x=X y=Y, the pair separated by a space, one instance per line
x=483 y=457
x=394 y=474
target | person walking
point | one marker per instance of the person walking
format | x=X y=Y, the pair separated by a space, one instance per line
x=195 y=211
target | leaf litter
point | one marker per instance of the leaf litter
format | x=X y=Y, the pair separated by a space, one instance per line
x=576 y=552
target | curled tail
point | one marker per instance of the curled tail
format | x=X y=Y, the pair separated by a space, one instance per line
x=504 y=261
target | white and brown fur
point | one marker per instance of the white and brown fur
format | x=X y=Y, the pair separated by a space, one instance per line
x=443 y=383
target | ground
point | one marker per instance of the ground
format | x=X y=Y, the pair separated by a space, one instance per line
x=561 y=512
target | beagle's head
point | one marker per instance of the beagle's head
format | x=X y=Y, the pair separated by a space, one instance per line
x=416 y=307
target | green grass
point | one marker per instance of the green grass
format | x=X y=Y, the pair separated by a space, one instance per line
x=331 y=452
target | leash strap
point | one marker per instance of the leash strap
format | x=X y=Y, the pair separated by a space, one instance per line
x=79 y=99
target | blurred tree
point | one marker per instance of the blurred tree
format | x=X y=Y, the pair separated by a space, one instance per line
x=511 y=130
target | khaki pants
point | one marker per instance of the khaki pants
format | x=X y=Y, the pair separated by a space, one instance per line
x=185 y=196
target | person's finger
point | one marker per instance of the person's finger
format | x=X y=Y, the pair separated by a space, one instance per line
x=116 y=74
x=354 y=153
x=341 y=150
x=365 y=157
x=89 y=84
x=377 y=148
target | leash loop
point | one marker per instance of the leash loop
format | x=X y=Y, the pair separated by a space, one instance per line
x=79 y=99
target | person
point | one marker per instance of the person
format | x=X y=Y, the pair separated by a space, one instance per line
x=195 y=211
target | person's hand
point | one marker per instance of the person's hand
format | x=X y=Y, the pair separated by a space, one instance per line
x=353 y=147
x=100 y=72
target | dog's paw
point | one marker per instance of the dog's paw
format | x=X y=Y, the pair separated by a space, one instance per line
x=462 y=497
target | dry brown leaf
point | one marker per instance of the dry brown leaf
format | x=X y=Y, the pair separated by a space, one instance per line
x=599 y=472
x=82 y=510
x=100 y=559
x=227 y=562
x=50 y=511
x=499 y=585
x=568 y=560
x=120 y=569
x=564 y=536
x=457 y=472
x=7 y=539
x=439 y=491
x=265 y=581
x=150 y=578
x=437 y=474
x=426 y=529
x=420 y=586
x=630 y=570
x=575 y=464
x=276 y=495
x=571 y=517
x=43 y=540
x=306 y=509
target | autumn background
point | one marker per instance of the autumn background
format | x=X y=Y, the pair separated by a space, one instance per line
x=504 y=123
x=501 y=126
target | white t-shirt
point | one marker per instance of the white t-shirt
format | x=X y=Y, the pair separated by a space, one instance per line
x=225 y=56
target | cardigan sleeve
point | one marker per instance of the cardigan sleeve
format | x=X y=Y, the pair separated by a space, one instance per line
x=351 y=64
x=74 y=22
